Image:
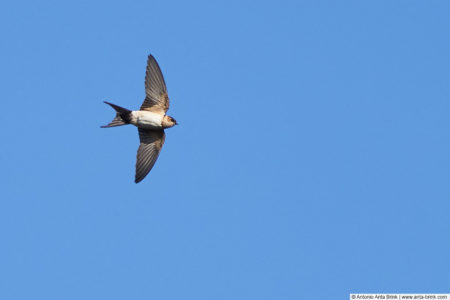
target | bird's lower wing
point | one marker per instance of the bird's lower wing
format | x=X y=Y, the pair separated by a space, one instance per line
x=148 y=152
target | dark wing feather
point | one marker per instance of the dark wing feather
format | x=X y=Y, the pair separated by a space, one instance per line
x=148 y=152
x=156 y=97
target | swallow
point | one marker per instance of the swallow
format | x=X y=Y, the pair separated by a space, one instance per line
x=150 y=119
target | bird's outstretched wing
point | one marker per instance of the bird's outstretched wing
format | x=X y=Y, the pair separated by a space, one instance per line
x=148 y=152
x=156 y=97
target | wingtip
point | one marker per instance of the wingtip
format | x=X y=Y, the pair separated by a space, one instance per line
x=137 y=179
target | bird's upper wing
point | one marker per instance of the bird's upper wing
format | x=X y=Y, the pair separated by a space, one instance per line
x=156 y=97
x=148 y=152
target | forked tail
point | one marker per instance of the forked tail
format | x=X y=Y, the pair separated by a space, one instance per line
x=123 y=116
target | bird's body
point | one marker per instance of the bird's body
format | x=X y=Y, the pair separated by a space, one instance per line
x=151 y=119
x=147 y=119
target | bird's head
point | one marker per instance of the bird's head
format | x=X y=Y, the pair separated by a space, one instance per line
x=168 y=122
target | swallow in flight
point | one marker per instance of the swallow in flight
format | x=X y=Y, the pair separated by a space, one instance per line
x=150 y=119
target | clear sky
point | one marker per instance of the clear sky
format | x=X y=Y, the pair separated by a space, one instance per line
x=312 y=155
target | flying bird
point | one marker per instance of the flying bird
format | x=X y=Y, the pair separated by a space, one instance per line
x=150 y=119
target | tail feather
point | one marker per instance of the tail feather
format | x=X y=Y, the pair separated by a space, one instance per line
x=122 y=116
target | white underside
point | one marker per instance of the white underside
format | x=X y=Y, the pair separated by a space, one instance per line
x=146 y=119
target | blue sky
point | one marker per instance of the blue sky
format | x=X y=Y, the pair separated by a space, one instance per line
x=312 y=153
